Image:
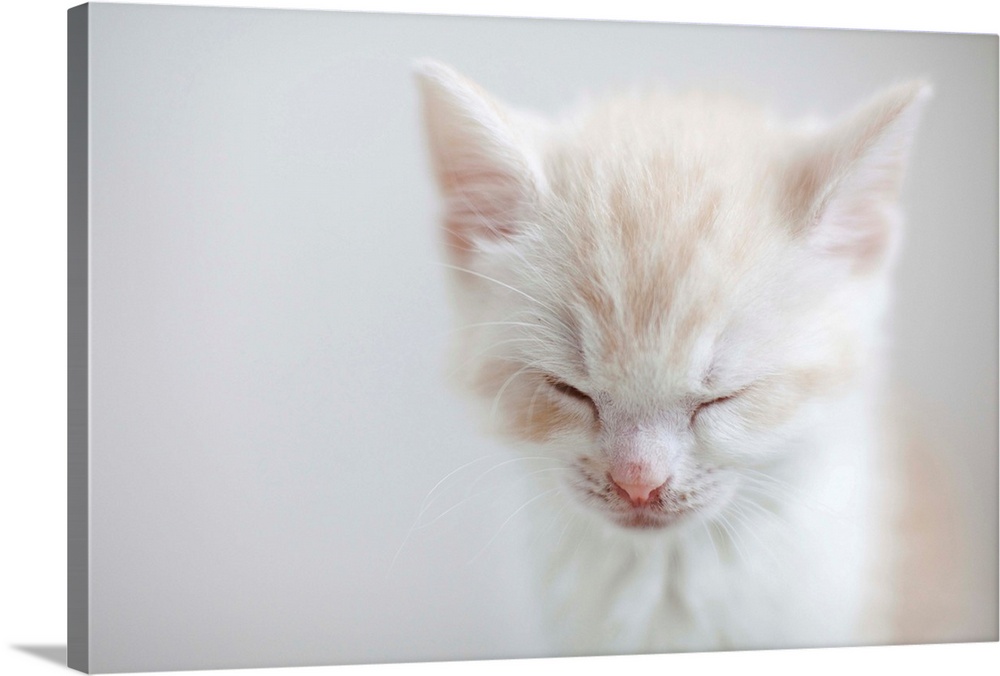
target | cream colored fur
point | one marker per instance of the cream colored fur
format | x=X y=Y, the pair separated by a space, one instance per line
x=681 y=291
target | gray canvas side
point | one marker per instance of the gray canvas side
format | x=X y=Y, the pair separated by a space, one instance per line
x=77 y=655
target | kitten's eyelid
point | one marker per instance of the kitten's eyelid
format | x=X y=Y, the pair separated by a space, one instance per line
x=724 y=397
x=704 y=403
x=567 y=389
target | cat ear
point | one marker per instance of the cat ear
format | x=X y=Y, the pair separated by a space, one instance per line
x=844 y=188
x=481 y=160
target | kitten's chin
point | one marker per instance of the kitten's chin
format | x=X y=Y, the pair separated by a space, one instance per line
x=662 y=516
x=644 y=520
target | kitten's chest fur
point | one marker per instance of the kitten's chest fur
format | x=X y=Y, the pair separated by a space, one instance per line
x=804 y=572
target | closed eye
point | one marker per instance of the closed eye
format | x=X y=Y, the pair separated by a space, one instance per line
x=701 y=406
x=568 y=390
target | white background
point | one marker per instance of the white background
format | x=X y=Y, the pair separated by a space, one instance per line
x=33 y=269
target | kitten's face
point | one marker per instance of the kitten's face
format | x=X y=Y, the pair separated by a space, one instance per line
x=663 y=294
x=654 y=364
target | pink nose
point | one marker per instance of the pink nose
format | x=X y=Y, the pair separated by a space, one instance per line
x=637 y=493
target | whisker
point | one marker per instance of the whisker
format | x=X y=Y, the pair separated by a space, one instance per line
x=777 y=490
x=745 y=501
x=476 y=325
x=744 y=519
x=426 y=502
x=460 y=367
x=508 y=519
x=503 y=388
x=562 y=533
x=507 y=341
x=491 y=224
x=733 y=538
x=459 y=268
x=531 y=404
x=715 y=547
x=565 y=466
x=429 y=502
x=469 y=495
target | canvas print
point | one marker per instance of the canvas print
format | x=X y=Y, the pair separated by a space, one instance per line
x=678 y=303
x=431 y=338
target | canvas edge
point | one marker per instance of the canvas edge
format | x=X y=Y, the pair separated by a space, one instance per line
x=77 y=297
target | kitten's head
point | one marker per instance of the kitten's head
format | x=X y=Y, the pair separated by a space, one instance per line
x=664 y=292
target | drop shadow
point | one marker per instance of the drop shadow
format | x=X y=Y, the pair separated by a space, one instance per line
x=51 y=653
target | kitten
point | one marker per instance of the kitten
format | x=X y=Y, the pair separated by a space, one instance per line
x=680 y=302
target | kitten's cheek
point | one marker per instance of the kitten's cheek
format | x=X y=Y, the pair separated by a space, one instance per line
x=720 y=443
x=545 y=420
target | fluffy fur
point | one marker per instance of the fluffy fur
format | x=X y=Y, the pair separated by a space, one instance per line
x=679 y=301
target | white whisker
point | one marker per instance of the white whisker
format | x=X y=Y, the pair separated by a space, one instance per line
x=743 y=519
x=733 y=538
x=503 y=388
x=508 y=520
x=470 y=494
x=503 y=284
x=715 y=547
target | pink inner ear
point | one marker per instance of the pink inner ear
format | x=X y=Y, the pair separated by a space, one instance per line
x=481 y=161
x=852 y=216
x=482 y=204
x=844 y=191
x=858 y=227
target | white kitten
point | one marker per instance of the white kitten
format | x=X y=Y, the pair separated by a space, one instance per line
x=680 y=300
